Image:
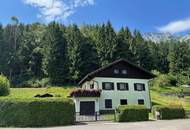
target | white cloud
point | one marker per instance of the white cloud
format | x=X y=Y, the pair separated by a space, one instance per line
x=57 y=9
x=176 y=26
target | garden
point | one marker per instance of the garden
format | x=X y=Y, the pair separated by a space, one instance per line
x=23 y=107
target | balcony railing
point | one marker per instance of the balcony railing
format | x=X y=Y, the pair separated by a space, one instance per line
x=85 y=93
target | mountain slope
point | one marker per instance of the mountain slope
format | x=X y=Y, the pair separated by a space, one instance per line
x=163 y=37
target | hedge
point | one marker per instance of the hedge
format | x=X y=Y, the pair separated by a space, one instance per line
x=169 y=112
x=4 y=86
x=129 y=113
x=36 y=113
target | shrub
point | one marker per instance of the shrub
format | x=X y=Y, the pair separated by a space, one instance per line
x=169 y=112
x=34 y=83
x=4 y=86
x=129 y=113
x=163 y=80
x=36 y=113
x=85 y=93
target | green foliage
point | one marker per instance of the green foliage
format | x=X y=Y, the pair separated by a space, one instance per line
x=75 y=40
x=124 y=39
x=129 y=113
x=179 y=57
x=34 y=83
x=36 y=113
x=56 y=63
x=4 y=86
x=164 y=80
x=106 y=43
x=65 y=54
x=169 y=112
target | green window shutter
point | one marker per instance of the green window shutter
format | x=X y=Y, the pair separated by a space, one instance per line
x=135 y=87
x=112 y=84
x=143 y=87
x=103 y=86
x=118 y=88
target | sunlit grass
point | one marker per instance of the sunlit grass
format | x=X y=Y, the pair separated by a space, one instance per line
x=25 y=93
x=158 y=99
x=63 y=92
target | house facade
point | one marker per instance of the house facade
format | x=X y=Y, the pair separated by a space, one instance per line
x=119 y=83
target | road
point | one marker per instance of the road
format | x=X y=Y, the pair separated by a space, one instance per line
x=149 y=125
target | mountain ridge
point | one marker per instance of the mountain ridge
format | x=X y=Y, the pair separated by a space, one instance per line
x=164 y=37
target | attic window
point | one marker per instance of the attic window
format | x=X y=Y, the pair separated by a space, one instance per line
x=116 y=71
x=124 y=71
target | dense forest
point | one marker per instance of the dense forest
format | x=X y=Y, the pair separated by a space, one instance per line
x=64 y=54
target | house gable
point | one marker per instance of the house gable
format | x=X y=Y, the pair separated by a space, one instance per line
x=132 y=70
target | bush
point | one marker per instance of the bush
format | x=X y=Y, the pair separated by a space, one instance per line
x=163 y=80
x=129 y=113
x=36 y=113
x=169 y=112
x=4 y=86
x=34 y=83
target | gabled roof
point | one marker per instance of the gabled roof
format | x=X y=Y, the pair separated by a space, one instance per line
x=93 y=74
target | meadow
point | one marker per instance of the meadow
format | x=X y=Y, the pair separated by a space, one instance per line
x=63 y=92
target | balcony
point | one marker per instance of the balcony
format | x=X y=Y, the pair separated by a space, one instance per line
x=85 y=93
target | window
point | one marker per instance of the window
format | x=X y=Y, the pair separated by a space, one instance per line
x=92 y=86
x=123 y=102
x=116 y=71
x=108 y=103
x=124 y=71
x=141 y=102
x=108 y=86
x=139 y=87
x=122 y=86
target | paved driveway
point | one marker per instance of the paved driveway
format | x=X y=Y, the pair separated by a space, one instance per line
x=149 y=125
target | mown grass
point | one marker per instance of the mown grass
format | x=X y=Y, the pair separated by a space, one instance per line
x=28 y=93
x=158 y=99
x=63 y=92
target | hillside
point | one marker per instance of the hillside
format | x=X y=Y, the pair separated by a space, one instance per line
x=63 y=92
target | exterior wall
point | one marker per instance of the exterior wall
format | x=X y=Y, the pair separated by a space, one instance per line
x=86 y=85
x=77 y=101
x=131 y=95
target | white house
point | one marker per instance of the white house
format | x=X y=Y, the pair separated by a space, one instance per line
x=119 y=83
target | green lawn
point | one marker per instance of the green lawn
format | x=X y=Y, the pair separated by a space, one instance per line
x=158 y=99
x=25 y=93
x=63 y=92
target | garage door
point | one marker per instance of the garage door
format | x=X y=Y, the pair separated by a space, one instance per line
x=87 y=108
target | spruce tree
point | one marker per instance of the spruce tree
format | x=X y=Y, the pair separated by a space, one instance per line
x=179 y=57
x=57 y=62
x=74 y=41
x=106 y=43
x=124 y=40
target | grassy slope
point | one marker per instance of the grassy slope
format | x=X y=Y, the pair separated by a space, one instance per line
x=63 y=92
x=157 y=99
x=26 y=93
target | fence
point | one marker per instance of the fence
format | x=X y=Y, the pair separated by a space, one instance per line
x=95 y=117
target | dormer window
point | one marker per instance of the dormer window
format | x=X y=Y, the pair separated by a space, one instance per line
x=116 y=71
x=124 y=71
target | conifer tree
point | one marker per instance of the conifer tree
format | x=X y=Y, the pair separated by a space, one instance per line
x=74 y=41
x=57 y=62
x=179 y=57
x=106 y=43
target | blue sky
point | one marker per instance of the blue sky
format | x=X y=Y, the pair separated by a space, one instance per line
x=145 y=15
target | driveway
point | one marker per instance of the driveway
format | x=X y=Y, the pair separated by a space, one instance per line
x=149 y=125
